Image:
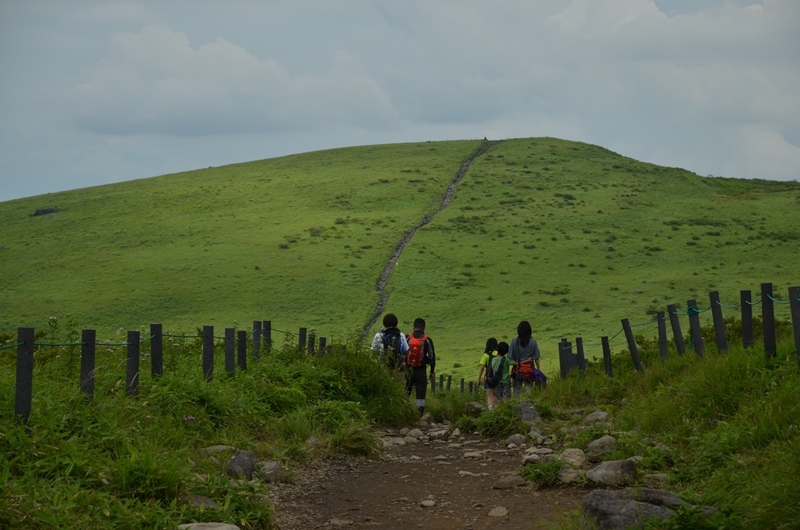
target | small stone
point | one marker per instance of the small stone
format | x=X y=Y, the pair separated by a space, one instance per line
x=600 y=448
x=509 y=481
x=567 y=475
x=539 y=450
x=241 y=464
x=574 y=457
x=404 y=431
x=516 y=439
x=416 y=433
x=498 y=511
x=511 y=446
x=340 y=522
x=531 y=459
x=598 y=415
x=214 y=449
x=428 y=503
x=456 y=432
x=527 y=412
x=208 y=526
x=273 y=471
x=200 y=501
x=476 y=406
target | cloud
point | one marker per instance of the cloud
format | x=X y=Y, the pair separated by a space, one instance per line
x=154 y=81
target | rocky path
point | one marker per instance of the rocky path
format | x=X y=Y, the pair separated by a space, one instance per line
x=427 y=478
x=398 y=250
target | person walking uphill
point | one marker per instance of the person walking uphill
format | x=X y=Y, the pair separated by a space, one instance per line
x=420 y=355
x=390 y=343
x=523 y=353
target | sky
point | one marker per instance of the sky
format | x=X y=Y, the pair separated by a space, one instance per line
x=95 y=92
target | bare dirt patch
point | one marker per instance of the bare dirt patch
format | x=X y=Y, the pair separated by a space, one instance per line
x=437 y=484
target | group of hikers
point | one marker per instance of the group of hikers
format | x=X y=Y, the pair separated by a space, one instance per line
x=502 y=366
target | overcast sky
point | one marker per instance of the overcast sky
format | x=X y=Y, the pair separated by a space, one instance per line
x=93 y=92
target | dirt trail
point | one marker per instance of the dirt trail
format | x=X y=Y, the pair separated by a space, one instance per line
x=456 y=474
x=446 y=199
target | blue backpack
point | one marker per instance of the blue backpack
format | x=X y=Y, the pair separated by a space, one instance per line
x=392 y=344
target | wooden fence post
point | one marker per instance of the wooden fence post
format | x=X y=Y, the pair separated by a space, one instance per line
x=323 y=342
x=449 y=380
x=563 y=360
x=794 y=299
x=768 y=320
x=719 y=322
x=637 y=362
x=433 y=385
x=663 y=349
x=441 y=382
x=88 y=338
x=301 y=341
x=156 y=350
x=462 y=385
x=746 y=302
x=266 y=330
x=132 y=375
x=24 y=388
x=230 y=350
x=256 y=339
x=607 y=356
x=675 y=323
x=581 y=358
x=470 y=388
x=694 y=326
x=312 y=341
x=242 y=343
x=569 y=356
x=208 y=353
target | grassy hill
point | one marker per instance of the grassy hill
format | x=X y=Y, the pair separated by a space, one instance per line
x=570 y=236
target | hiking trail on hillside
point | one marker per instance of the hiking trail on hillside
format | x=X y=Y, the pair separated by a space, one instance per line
x=430 y=478
x=446 y=199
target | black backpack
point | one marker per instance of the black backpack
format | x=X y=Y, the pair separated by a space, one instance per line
x=391 y=348
x=493 y=377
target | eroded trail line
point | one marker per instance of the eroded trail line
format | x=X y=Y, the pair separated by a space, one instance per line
x=448 y=197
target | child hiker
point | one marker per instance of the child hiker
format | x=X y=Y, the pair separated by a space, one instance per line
x=489 y=352
x=500 y=378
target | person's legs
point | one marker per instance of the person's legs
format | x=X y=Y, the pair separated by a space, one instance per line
x=491 y=400
x=421 y=384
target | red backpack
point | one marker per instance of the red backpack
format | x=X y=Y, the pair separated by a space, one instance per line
x=416 y=351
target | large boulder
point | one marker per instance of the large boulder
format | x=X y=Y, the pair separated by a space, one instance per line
x=630 y=508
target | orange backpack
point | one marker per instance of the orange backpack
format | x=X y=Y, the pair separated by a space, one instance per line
x=416 y=351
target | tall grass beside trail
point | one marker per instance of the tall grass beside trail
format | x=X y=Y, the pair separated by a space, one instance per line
x=732 y=420
x=120 y=462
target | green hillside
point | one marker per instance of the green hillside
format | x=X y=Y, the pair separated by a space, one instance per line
x=570 y=236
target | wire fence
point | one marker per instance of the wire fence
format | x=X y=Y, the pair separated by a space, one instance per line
x=569 y=361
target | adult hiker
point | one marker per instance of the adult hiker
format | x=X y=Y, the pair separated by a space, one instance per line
x=524 y=354
x=421 y=354
x=489 y=352
x=390 y=343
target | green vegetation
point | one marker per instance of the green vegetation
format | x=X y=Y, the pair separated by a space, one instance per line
x=730 y=421
x=120 y=462
x=569 y=236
